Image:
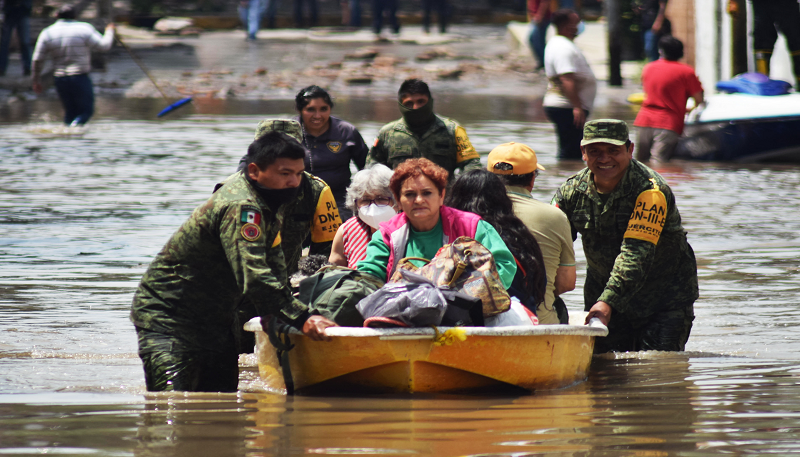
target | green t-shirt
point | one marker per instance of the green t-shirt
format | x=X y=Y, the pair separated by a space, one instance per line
x=427 y=244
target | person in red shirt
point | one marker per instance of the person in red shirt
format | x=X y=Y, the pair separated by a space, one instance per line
x=668 y=84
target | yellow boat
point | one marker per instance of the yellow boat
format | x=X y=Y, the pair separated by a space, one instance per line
x=406 y=360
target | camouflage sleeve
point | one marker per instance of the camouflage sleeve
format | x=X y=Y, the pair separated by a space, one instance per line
x=254 y=252
x=470 y=164
x=561 y=203
x=637 y=253
x=630 y=270
x=378 y=152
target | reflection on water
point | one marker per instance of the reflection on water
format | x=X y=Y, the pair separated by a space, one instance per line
x=81 y=216
x=635 y=405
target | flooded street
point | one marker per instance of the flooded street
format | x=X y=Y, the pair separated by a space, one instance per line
x=81 y=217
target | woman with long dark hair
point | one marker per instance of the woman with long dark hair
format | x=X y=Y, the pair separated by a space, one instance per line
x=483 y=193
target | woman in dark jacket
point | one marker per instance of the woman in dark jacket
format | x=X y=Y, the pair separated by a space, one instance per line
x=332 y=143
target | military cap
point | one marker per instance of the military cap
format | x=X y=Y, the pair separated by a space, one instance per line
x=611 y=131
x=513 y=159
x=288 y=126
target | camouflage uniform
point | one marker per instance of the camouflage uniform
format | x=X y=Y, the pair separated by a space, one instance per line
x=185 y=306
x=314 y=212
x=638 y=258
x=446 y=144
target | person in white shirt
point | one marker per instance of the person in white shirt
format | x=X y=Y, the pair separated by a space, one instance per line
x=571 y=86
x=68 y=43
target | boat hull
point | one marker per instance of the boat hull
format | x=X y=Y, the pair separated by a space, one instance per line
x=409 y=360
x=743 y=128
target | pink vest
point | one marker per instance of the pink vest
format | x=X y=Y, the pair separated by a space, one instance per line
x=455 y=223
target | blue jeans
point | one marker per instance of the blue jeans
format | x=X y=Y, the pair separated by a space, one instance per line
x=251 y=16
x=537 y=40
x=378 y=6
x=569 y=136
x=77 y=97
x=651 y=44
x=21 y=22
x=355 y=13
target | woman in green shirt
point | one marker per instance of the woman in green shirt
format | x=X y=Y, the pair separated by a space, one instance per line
x=425 y=224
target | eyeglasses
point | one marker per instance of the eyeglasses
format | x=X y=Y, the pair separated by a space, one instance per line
x=380 y=201
x=535 y=173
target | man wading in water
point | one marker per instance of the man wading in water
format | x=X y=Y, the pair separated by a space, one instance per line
x=228 y=251
x=641 y=278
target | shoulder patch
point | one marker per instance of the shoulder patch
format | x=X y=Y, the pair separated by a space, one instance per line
x=277 y=240
x=648 y=217
x=251 y=215
x=464 y=146
x=251 y=232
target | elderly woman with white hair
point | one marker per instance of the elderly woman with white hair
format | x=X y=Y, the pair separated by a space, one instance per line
x=371 y=201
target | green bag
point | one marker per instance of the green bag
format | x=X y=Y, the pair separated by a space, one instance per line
x=334 y=291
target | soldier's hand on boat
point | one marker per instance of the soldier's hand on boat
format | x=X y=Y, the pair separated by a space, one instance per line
x=600 y=310
x=315 y=326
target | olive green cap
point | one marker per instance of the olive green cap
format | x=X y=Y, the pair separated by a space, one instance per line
x=611 y=131
x=288 y=126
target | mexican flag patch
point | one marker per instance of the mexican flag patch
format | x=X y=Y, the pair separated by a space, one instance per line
x=251 y=216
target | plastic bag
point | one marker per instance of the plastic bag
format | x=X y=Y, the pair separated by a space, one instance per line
x=413 y=303
x=517 y=314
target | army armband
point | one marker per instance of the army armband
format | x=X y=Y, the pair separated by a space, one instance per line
x=648 y=217
x=326 y=218
x=465 y=149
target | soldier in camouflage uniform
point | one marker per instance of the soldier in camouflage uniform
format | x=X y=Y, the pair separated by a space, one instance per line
x=228 y=251
x=422 y=133
x=641 y=278
x=313 y=213
x=312 y=216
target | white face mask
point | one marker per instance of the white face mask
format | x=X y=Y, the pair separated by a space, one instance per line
x=373 y=215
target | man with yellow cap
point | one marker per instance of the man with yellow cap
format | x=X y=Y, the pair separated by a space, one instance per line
x=641 y=275
x=516 y=165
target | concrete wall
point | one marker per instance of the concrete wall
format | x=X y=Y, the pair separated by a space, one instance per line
x=681 y=14
x=713 y=44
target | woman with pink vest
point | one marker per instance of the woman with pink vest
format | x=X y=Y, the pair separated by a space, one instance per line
x=425 y=225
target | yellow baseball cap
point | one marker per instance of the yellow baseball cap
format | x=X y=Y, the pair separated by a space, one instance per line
x=513 y=159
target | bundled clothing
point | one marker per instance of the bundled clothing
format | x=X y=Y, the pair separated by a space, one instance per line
x=397 y=239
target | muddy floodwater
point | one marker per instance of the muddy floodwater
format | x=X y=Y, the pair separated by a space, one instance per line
x=81 y=217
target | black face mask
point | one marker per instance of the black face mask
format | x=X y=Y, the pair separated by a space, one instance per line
x=274 y=197
x=420 y=119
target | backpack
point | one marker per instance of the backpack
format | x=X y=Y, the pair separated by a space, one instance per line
x=334 y=291
x=466 y=266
